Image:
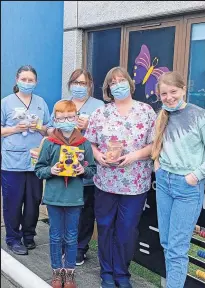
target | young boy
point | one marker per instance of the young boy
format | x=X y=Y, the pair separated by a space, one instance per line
x=64 y=195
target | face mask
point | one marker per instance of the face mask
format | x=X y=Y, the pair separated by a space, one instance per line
x=66 y=126
x=26 y=88
x=79 y=92
x=170 y=109
x=120 y=91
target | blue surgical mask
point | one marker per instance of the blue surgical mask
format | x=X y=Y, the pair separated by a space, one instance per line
x=170 y=109
x=121 y=90
x=26 y=88
x=66 y=126
x=78 y=92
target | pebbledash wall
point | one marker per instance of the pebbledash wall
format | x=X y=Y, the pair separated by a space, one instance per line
x=82 y=15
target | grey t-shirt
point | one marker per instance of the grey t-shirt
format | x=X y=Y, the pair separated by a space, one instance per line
x=183 y=149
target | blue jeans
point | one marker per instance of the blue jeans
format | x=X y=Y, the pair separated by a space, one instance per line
x=117 y=218
x=178 y=207
x=63 y=228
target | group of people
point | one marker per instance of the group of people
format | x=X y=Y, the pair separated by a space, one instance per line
x=113 y=193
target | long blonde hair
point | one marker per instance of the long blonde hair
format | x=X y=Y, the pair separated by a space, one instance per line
x=173 y=79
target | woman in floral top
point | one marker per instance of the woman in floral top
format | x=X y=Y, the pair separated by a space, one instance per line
x=121 y=188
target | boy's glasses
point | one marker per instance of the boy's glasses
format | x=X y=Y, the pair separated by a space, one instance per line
x=65 y=119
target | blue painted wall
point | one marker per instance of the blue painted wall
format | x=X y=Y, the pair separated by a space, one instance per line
x=32 y=33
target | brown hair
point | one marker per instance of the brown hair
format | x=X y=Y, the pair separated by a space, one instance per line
x=107 y=96
x=22 y=69
x=88 y=78
x=65 y=106
x=173 y=79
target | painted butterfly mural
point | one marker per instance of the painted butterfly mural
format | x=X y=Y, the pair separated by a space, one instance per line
x=146 y=73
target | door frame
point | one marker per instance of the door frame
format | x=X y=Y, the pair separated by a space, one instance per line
x=189 y=20
x=152 y=26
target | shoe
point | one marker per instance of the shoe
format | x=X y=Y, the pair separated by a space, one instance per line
x=57 y=279
x=30 y=244
x=107 y=284
x=80 y=259
x=69 y=279
x=124 y=285
x=18 y=248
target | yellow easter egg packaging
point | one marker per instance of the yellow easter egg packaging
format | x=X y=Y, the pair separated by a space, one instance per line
x=34 y=153
x=69 y=159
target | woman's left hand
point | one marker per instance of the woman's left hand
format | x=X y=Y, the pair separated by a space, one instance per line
x=82 y=123
x=80 y=170
x=127 y=159
x=191 y=179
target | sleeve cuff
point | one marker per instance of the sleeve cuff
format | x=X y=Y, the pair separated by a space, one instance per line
x=198 y=174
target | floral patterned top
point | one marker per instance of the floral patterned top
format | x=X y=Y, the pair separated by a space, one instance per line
x=135 y=131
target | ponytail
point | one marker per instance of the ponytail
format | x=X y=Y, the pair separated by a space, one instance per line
x=15 y=89
x=160 y=126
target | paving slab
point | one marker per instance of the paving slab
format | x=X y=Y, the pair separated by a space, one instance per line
x=7 y=283
x=38 y=261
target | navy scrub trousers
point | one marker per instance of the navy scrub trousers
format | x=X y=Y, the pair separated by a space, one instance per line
x=22 y=193
x=87 y=220
x=117 y=218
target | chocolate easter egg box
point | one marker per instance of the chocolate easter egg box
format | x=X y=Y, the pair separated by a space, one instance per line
x=114 y=151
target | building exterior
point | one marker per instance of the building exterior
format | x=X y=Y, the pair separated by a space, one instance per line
x=167 y=35
x=32 y=33
x=99 y=35
x=104 y=34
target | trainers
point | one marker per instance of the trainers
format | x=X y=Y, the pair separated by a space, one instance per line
x=69 y=279
x=107 y=284
x=127 y=285
x=80 y=259
x=30 y=244
x=124 y=285
x=18 y=248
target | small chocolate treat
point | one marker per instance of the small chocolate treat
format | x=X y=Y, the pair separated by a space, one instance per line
x=114 y=151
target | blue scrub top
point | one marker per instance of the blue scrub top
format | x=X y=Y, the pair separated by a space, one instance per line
x=16 y=147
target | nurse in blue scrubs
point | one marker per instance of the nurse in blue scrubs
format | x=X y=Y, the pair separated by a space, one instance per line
x=21 y=111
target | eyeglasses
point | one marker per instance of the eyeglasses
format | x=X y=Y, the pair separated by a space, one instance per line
x=119 y=81
x=81 y=83
x=62 y=120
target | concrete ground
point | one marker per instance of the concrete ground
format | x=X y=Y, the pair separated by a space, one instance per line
x=87 y=276
x=7 y=283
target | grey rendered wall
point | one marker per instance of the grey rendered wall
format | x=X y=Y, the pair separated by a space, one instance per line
x=80 y=15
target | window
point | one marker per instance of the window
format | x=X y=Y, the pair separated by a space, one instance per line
x=166 y=41
x=150 y=53
x=196 y=69
x=103 y=54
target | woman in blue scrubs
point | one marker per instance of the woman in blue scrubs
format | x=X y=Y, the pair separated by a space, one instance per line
x=21 y=189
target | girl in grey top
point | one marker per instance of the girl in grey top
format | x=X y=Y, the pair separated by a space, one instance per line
x=179 y=154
